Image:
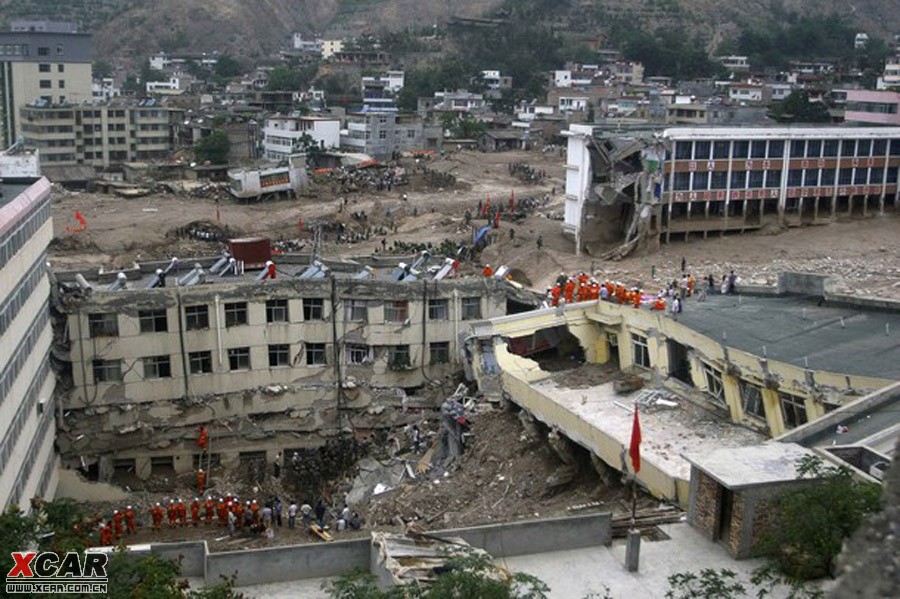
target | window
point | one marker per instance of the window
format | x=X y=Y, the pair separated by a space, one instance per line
x=235 y=314
x=277 y=310
x=43 y=51
x=157 y=367
x=398 y=357
x=795 y=178
x=200 y=362
x=45 y=84
x=741 y=149
x=315 y=354
x=60 y=68
x=641 y=353
x=720 y=149
x=43 y=68
x=196 y=317
x=738 y=179
x=683 y=150
x=864 y=147
x=107 y=371
x=682 y=181
x=438 y=309
x=814 y=148
x=279 y=355
x=758 y=149
x=61 y=84
x=830 y=148
x=773 y=178
x=793 y=410
x=313 y=308
x=356 y=354
x=714 y=384
x=103 y=325
x=827 y=177
x=752 y=401
x=701 y=150
x=701 y=181
x=811 y=177
x=239 y=358
x=439 y=352
x=356 y=310
x=848 y=147
x=153 y=321
x=776 y=148
x=860 y=176
x=879 y=147
x=396 y=311
x=162 y=464
x=756 y=179
x=471 y=308
x=719 y=180
x=798 y=148
x=845 y=176
x=382 y=134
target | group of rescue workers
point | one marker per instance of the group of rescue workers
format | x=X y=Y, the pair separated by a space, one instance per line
x=581 y=287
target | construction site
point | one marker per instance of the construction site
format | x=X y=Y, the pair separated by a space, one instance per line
x=387 y=353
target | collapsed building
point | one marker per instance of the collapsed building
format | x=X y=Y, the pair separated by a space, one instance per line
x=645 y=186
x=267 y=361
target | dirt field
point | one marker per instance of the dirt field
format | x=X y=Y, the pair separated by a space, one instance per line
x=864 y=253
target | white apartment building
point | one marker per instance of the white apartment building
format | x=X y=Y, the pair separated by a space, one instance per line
x=281 y=133
x=331 y=47
x=105 y=89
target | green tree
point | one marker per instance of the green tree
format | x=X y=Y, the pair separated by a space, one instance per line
x=227 y=66
x=797 y=108
x=725 y=584
x=284 y=78
x=17 y=532
x=813 y=521
x=101 y=69
x=213 y=148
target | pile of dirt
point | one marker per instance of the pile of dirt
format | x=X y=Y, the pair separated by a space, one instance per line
x=501 y=476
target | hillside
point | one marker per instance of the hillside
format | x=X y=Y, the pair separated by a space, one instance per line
x=254 y=29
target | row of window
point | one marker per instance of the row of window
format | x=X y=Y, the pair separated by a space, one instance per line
x=48 y=84
x=12 y=241
x=279 y=355
x=196 y=317
x=11 y=437
x=31 y=457
x=45 y=67
x=10 y=307
x=23 y=351
x=704 y=180
x=793 y=407
x=799 y=148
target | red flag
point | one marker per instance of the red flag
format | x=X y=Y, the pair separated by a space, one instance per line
x=635 y=450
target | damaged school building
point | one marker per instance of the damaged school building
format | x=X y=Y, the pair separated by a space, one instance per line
x=648 y=186
x=731 y=372
x=266 y=364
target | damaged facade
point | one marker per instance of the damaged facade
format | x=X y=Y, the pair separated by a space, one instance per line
x=256 y=362
x=648 y=185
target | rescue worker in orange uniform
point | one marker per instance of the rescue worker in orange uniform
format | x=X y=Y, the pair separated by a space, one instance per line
x=555 y=292
x=181 y=510
x=659 y=303
x=209 y=509
x=157 y=514
x=222 y=512
x=130 y=520
x=569 y=290
x=195 y=512
x=636 y=297
x=238 y=511
x=118 y=517
x=106 y=535
x=610 y=290
x=172 y=511
x=488 y=271
x=201 y=480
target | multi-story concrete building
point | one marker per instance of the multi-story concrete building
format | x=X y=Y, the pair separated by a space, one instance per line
x=654 y=184
x=890 y=78
x=282 y=133
x=101 y=134
x=46 y=64
x=266 y=365
x=27 y=459
x=381 y=134
x=872 y=107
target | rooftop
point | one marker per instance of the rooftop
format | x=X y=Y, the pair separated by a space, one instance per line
x=798 y=331
x=9 y=190
x=739 y=467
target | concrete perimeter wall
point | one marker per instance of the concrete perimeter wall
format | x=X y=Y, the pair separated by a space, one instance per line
x=192 y=555
x=298 y=562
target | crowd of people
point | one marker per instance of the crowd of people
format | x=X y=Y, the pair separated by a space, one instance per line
x=229 y=511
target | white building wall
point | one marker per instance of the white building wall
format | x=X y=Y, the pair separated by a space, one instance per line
x=578 y=176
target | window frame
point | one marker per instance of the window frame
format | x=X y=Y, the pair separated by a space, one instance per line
x=399 y=357
x=236 y=355
x=750 y=400
x=356 y=310
x=150 y=321
x=196 y=317
x=105 y=366
x=313 y=306
x=466 y=305
x=439 y=352
x=282 y=354
x=797 y=405
x=316 y=349
x=203 y=359
x=157 y=367
x=277 y=311
x=352 y=351
x=236 y=314
x=639 y=345
x=103 y=324
x=396 y=311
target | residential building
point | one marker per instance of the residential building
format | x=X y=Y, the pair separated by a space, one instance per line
x=104 y=90
x=626 y=72
x=331 y=47
x=735 y=64
x=101 y=134
x=267 y=366
x=379 y=92
x=495 y=81
x=43 y=26
x=686 y=114
x=27 y=458
x=458 y=101
x=175 y=85
x=745 y=92
x=684 y=181
x=282 y=134
x=872 y=107
x=382 y=134
x=308 y=46
x=41 y=63
x=890 y=79
x=166 y=62
x=573 y=103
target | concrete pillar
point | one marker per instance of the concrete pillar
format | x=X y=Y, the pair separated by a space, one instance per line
x=601 y=349
x=773 y=412
x=625 y=349
x=659 y=355
x=732 y=390
x=633 y=551
x=142 y=468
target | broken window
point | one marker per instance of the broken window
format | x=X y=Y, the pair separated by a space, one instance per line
x=438 y=309
x=107 y=371
x=356 y=353
x=714 y=384
x=439 y=352
x=124 y=466
x=162 y=464
x=277 y=310
x=752 y=400
x=153 y=321
x=235 y=314
x=398 y=357
x=641 y=352
x=793 y=410
x=471 y=308
x=200 y=362
x=105 y=324
x=279 y=355
x=196 y=317
x=313 y=308
x=239 y=358
x=356 y=310
x=157 y=367
x=315 y=354
x=396 y=311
